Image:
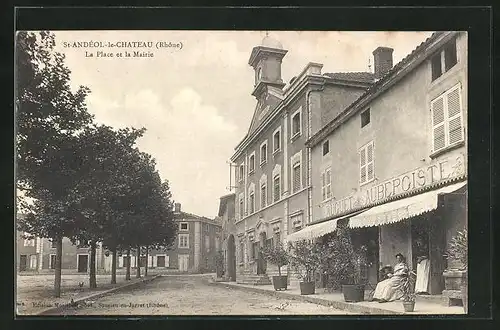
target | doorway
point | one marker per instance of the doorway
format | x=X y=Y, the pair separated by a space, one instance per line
x=366 y=241
x=83 y=262
x=23 y=262
x=183 y=262
x=231 y=258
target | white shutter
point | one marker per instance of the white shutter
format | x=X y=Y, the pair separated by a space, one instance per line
x=362 y=165
x=438 y=123
x=167 y=261
x=369 y=166
x=120 y=262
x=328 y=183
x=323 y=185
x=150 y=261
x=454 y=116
x=155 y=259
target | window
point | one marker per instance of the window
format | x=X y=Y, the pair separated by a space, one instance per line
x=184 y=241
x=444 y=60
x=447 y=126
x=251 y=163
x=296 y=176
x=251 y=202
x=326 y=184
x=366 y=163
x=242 y=173
x=277 y=190
x=296 y=123
x=242 y=207
x=207 y=243
x=263 y=153
x=255 y=250
x=183 y=226
x=277 y=140
x=263 y=195
x=217 y=244
x=160 y=261
x=52 y=261
x=242 y=252
x=296 y=220
x=28 y=241
x=326 y=147
x=365 y=118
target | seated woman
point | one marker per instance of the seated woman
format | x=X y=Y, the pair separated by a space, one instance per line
x=388 y=290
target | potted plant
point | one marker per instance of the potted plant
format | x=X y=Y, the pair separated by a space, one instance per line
x=407 y=286
x=458 y=251
x=350 y=263
x=305 y=259
x=278 y=256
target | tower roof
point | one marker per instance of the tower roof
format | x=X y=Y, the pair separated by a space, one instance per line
x=270 y=42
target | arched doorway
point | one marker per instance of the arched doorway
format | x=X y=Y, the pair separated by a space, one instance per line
x=231 y=258
x=261 y=262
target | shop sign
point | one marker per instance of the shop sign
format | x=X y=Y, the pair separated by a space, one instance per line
x=443 y=169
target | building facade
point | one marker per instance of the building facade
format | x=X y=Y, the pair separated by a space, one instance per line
x=196 y=245
x=273 y=196
x=393 y=164
x=227 y=217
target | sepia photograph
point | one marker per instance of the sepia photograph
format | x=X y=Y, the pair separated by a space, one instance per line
x=241 y=172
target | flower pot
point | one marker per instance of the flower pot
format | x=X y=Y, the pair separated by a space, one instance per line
x=464 y=289
x=409 y=306
x=353 y=292
x=280 y=282
x=307 y=288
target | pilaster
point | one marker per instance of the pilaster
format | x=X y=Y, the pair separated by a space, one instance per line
x=197 y=245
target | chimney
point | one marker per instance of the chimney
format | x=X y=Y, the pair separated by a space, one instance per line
x=177 y=207
x=382 y=58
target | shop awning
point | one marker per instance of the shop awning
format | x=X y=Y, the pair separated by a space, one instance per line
x=317 y=230
x=402 y=209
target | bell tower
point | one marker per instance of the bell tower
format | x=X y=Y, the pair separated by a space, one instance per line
x=266 y=61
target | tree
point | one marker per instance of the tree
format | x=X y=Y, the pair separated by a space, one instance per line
x=49 y=116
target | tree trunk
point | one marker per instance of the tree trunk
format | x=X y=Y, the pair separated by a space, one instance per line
x=57 y=278
x=138 y=263
x=93 y=281
x=127 y=275
x=147 y=260
x=113 y=266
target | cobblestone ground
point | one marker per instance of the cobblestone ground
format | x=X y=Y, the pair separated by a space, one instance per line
x=192 y=295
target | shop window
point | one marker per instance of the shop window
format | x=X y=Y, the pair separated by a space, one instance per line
x=447 y=121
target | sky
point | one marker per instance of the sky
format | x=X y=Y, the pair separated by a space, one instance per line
x=195 y=101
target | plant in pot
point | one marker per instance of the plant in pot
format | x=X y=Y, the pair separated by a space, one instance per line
x=278 y=256
x=305 y=259
x=458 y=251
x=407 y=286
x=349 y=263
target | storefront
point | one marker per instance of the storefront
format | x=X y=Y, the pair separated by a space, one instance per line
x=417 y=226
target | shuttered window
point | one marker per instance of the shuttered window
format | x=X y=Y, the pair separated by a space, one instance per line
x=296 y=177
x=447 y=122
x=326 y=184
x=242 y=208
x=263 y=195
x=366 y=164
x=252 y=202
x=277 y=190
